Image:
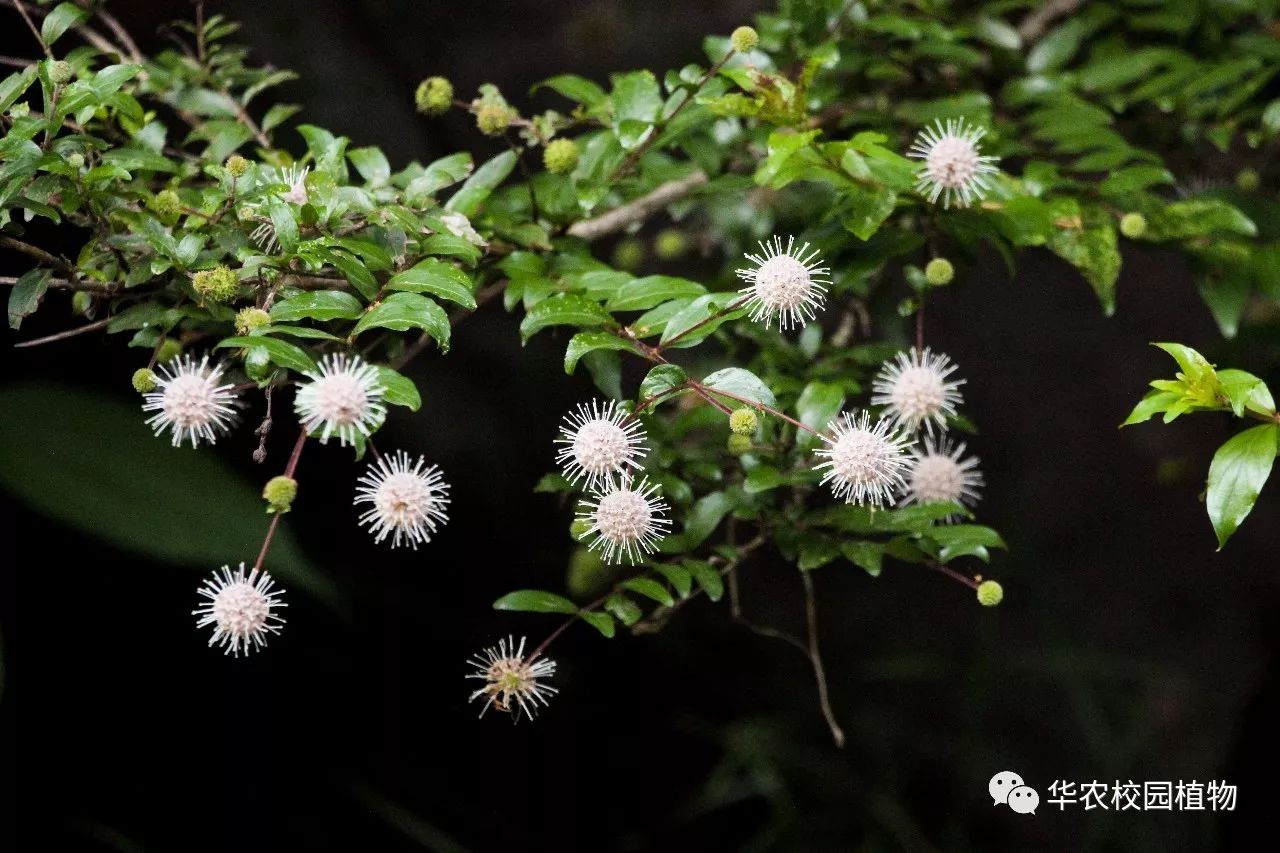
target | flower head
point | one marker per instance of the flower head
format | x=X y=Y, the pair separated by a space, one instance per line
x=219 y=284
x=434 y=96
x=189 y=402
x=248 y=319
x=236 y=166
x=279 y=493
x=940 y=474
x=598 y=442
x=865 y=463
x=241 y=609
x=953 y=168
x=343 y=399
x=512 y=684
x=560 y=156
x=410 y=500
x=916 y=389
x=990 y=593
x=744 y=39
x=296 y=178
x=626 y=519
x=788 y=284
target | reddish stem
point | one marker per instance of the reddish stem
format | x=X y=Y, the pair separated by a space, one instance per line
x=289 y=471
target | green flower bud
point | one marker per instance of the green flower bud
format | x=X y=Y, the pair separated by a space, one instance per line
x=493 y=119
x=169 y=349
x=237 y=166
x=20 y=110
x=939 y=271
x=1247 y=180
x=279 y=494
x=434 y=96
x=144 y=380
x=628 y=254
x=743 y=421
x=61 y=72
x=744 y=39
x=990 y=593
x=81 y=302
x=560 y=156
x=75 y=160
x=166 y=204
x=738 y=444
x=670 y=244
x=251 y=318
x=217 y=285
x=1133 y=225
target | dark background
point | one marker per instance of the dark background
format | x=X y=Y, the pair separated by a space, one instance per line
x=1126 y=647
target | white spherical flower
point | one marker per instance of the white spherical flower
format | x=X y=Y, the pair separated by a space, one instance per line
x=598 y=441
x=865 y=463
x=410 y=500
x=512 y=684
x=295 y=178
x=241 y=608
x=953 y=168
x=189 y=402
x=917 y=391
x=625 y=519
x=343 y=399
x=787 y=284
x=940 y=474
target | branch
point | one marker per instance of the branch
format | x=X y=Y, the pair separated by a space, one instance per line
x=67 y=284
x=815 y=657
x=62 y=336
x=638 y=210
x=39 y=254
x=1035 y=24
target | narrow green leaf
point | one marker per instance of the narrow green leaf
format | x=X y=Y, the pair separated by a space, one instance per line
x=472 y=194
x=1237 y=474
x=741 y=383
x=819 y=402
x=400 y=390
x=602 y=622
x=63 y=17
x=707 y=577
x=281 y=352
x=567 y=309
x=585 y=342
x=650 y=588
x=317 y=305
x=535 y=601
x=438 y=278
x=26 y=294
x=403 y=311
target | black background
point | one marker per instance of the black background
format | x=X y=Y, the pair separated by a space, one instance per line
x=1126 y=647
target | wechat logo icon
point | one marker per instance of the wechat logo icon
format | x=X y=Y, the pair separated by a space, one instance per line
x=1008 y=789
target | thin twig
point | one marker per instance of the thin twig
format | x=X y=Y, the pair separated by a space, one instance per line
x=39 y=254
x=22 y=10
x=105 y=288
x=289 y=471
x=62 y=336
x=952 y=573
x=728 y=309
x=638 y=209
x=757 y=405
x=16 y=61
x=113 y=24
x=815 y=657
x=1035 y=24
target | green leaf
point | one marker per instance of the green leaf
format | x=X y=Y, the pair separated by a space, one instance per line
x=1246 y=391
x=1057 y=47
x=636 y=101
x=472 y=194
x=678 y=576
x=535 y=601
x=442 y=173
x=452 y=246
x=701 y=522
x=400 y=390
x=1151 y=405
x=866 y=555
x=585 y=342
x=742 y=384
x=356 y=273
x=317 y=305
x=1237 y=474
x=1094 y=252
x=707 y=577
x=574 y=88
x=15 y=85
x=1133 y=178
x=819 y=402
x=643 y=293
x=62 y=18
x=650 y=588
x=403 y=311
x=693 y=323
x=602 y=622
x=438 y=278
x=200 y=514
x=762 y=478
x=567 y=309
x=280 y=352
x=662 y=378
x=627 y=611
x=26 y=294
x=864 y=211
x=285 y=225
x=372 y=165
x=960 y=540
